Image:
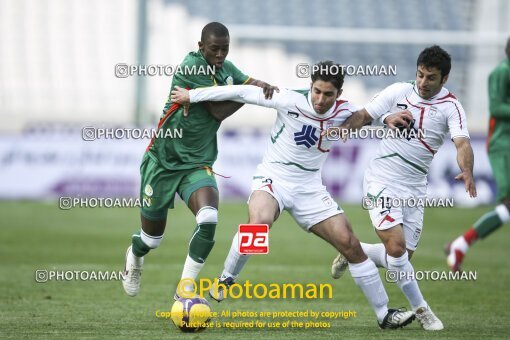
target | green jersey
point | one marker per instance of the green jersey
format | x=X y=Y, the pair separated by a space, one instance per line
x=499 y=105
x=196 y=146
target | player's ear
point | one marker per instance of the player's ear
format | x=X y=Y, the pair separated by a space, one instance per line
x=339 y=93
x=445 y=78
x=201 y=46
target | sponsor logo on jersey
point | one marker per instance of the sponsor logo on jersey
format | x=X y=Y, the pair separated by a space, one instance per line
x=229 y=80
x=306 y=136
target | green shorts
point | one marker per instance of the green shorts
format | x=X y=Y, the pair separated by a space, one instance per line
x=159 y=185
x=500 y=163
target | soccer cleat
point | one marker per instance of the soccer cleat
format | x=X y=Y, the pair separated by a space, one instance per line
x=428 y=320
x=220 y=286
x=132 y=273
x=339 y=266
x=454 y=257
x=397 y=318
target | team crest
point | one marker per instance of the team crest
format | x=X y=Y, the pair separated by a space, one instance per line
x=148 y=190
x=327 y=201
x=432 y=111
x=229 y=80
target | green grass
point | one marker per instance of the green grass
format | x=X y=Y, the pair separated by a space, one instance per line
x=40 y=236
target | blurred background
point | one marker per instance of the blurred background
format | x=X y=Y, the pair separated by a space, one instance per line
x=57 y=76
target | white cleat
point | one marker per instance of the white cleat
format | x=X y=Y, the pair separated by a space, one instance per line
x=219 y=288
x=339 y=266
x=132 y=273
x=428 y=320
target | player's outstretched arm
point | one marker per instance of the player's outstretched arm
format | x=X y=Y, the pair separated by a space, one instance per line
x=224 y=109
x=465 y=159
x=266 y=88
x=239 y=93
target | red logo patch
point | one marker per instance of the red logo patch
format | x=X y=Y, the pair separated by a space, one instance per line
x=253 y=239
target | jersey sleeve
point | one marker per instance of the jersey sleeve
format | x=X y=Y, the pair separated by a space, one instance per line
x=248 y=94
x=382 y=102
x=499 y=86
x=457 y=122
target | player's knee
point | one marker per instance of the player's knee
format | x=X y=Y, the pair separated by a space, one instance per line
x=347 y=241
x=207 y=215
x=503 y=212
x=261 y=218
x=150 y=241
x=395 y=248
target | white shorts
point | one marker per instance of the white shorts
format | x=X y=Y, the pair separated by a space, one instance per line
x=307 y=201
x=388 y=206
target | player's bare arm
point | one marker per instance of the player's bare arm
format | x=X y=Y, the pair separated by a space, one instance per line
x=398 y=120
x=221 y=110
x=465 y=159
x=361 y=118
x=358 y=119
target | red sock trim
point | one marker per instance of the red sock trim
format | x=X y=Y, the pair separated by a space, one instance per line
x=471 y=235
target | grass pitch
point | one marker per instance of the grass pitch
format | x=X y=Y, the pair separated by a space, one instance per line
x=37 y=236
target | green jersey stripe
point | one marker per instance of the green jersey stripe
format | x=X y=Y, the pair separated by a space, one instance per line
x=417 y=167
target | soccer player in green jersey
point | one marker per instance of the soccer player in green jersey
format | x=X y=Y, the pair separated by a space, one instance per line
x=184 y=165
x=499 y=157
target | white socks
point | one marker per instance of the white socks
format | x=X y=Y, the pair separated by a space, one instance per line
x=190 y=271
x=407 y=282
x=366 y=276
x=234 y=262
x=377 y=253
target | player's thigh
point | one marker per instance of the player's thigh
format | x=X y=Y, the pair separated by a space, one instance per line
x=500 y=164
x=313 y=206
x=262 y=208
x=267 y=198
x=157 y=189
x=199 y=189
x=335 y=230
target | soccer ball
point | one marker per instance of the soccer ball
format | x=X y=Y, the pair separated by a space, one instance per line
x=191 y=315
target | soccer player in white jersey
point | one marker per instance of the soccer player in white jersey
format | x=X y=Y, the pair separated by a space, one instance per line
x=289 y=178
x=399 y=170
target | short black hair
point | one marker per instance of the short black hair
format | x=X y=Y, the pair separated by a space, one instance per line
x=214 y=28
x=435 y=56
x=330 y=72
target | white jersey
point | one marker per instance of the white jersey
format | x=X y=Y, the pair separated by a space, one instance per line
x=407 y=161
x=296 y=150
